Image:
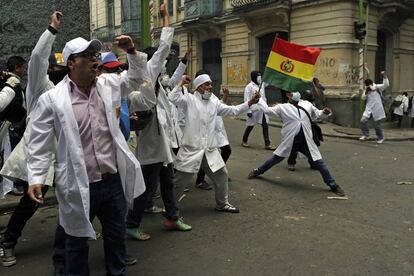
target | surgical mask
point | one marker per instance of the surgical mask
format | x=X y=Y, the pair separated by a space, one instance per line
x=165 y=80
x=206 y=95
x=259 y=79
x=296 y=96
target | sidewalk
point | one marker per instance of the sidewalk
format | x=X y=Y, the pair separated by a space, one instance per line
x=391 y=133
x=328 y=129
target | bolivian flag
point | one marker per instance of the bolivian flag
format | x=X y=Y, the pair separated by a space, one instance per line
x=290 y=66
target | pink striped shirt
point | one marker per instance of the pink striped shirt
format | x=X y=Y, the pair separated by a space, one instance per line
x=97 y=142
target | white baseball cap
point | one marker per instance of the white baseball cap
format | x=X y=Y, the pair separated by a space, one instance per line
x=78 y=45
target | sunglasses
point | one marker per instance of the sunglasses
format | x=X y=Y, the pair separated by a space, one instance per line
x=88 y=55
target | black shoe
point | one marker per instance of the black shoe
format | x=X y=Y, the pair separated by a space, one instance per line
x=338 y=190
x=8 y=258
x=203 y=185
x=129 y=260
x=254 y=173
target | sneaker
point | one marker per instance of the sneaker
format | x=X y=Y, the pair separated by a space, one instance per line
x=291 y=167
x=380 y=141
x=203 y=185
x=129 y=260
x=186 y=190
x=154 y=210
x=228 y=208
x=8 y=258
x=363 y=138
x=177 y=225
x=254 y=173
x=245 y=144
x=270 y=147
x=137 y=234
x=338 y=190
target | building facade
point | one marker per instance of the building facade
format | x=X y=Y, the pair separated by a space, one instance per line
x=22 y=23
x=230 y=38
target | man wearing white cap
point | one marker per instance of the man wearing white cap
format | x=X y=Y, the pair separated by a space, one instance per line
x=199 y=145
x=297 y=137
x=95 y=172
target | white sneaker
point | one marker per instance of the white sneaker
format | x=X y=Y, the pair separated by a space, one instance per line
x=363 y=138
x=380 y=141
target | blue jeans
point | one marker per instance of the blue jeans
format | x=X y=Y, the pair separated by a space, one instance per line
x=365 y=129
x=302 y=147
x=107 y=202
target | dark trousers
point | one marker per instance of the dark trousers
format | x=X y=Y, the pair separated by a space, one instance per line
x=265 y=129
x=399 y=119
x=412 y=122
x=293 y=156
x=22 y=213
x=299 y=145
x=151 y=174
x=107 y=202
x=225 y=152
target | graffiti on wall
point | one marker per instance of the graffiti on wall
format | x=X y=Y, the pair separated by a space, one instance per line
x=10 y=44
x=9 y=26
x=237 y=71
x=338 y=71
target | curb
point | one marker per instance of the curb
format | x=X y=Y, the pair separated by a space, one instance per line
x=337 y=134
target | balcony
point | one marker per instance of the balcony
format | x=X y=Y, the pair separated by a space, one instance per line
x=104 y=34
x=242 y=4
x=132 y=26
x=196 y=9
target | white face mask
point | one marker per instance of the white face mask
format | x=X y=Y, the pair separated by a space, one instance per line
x=296 y=96
x=165 y=80
x=259 y=79
x=206 y=95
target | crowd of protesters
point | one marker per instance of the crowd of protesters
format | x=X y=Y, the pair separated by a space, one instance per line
x=69 y=128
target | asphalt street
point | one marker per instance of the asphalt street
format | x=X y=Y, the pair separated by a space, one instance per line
x=287 y=224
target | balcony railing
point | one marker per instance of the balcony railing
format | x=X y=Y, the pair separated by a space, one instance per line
x=105 y=34
x=202 y=8
x=132 y=26
x=249 y=3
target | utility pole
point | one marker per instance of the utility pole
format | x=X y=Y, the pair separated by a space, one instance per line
x=360 y=34
x=145 y=24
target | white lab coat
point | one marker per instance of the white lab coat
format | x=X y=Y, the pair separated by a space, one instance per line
x=293 y=119
x=220 y=130
x=54 y=117
x=175 y=134
x=257 y=113
x=399 y=110
x=374 y=105
x=153 y=142
x=199 y=135
x=38 y=82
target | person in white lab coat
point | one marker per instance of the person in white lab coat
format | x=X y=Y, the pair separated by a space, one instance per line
x=374 y=107
x=255 y=114
x=401 y=109
x=154 y=146
x=95 y=172
x=199 y=145
x=297 y=137
x=15 y=166
x=223 y=144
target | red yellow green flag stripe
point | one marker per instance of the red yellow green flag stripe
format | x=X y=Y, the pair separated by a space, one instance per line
x=290 y=66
